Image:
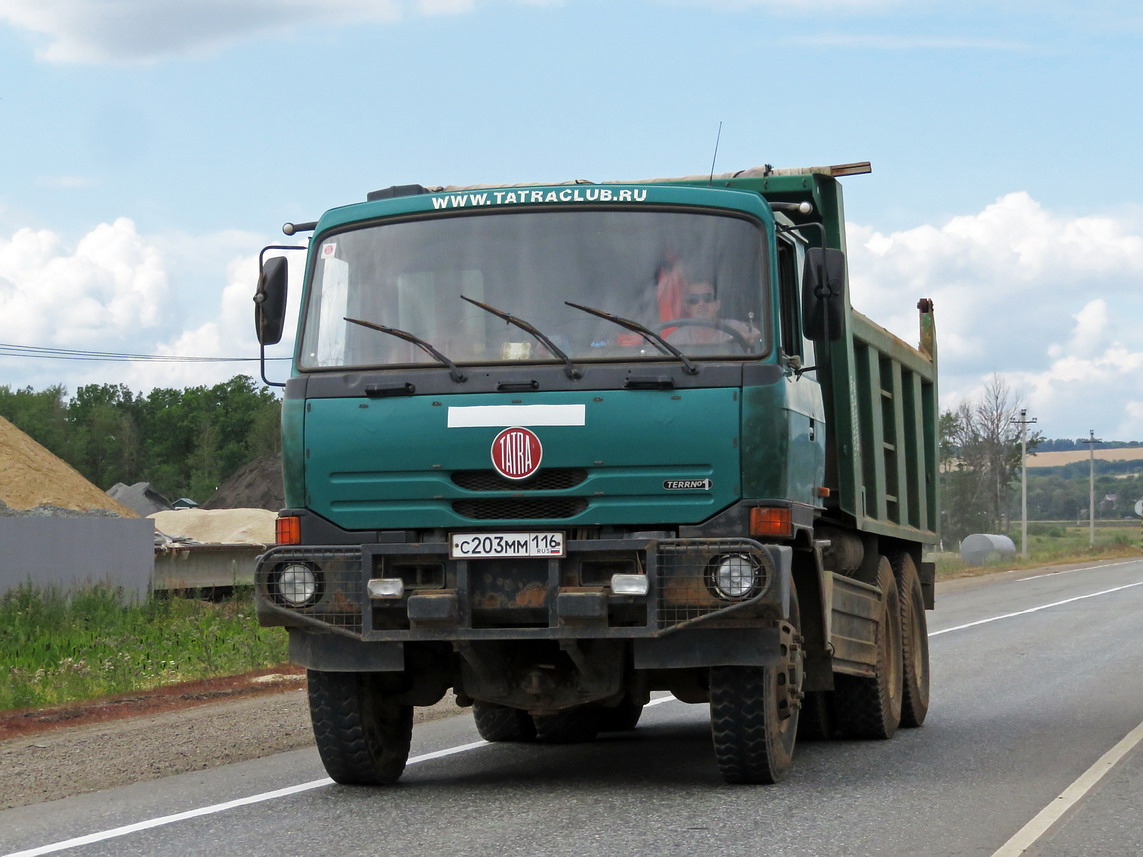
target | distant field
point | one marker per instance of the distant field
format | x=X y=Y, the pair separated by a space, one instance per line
x=1059 y=459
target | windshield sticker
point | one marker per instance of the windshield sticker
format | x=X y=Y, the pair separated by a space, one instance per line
x=534 y=197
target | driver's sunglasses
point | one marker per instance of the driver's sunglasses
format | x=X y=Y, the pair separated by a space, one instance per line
x=705 y=298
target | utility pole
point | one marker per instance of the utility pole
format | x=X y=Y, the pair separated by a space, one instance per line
x=1091 y=442
x=1023 y=422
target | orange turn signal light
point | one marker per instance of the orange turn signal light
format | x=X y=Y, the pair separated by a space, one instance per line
x=775 y=521
x=288 y=530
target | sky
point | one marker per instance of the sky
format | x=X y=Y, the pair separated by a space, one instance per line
x=151 y=148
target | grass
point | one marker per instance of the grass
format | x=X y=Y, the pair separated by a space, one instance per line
x=56 y=648
x=1055 y=543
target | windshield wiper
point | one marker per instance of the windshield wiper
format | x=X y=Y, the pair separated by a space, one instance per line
x=569 y=367
x=453 y=370
x=644 y=331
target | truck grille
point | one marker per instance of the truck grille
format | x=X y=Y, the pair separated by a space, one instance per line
x=503 y=508
x=554 y=479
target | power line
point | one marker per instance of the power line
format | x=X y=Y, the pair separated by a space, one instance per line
x=33 y=351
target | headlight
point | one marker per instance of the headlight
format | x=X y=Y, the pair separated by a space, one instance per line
x=297 y=585
x=736 y=576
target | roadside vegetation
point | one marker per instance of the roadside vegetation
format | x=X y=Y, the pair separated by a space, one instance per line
x=56 y=649
x=1054 y=543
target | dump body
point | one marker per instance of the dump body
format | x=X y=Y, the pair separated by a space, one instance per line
x=557 y=447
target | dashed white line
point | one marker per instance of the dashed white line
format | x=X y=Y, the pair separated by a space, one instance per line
x=1073 y=570
x=161 y=821
x=1033 y=609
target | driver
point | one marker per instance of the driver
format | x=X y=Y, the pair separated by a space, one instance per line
x=700 y=302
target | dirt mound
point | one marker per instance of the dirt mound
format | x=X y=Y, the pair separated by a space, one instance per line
x=31 y=476
x=257 y=485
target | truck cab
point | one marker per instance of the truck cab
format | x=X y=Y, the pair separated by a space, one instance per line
x=556 y=447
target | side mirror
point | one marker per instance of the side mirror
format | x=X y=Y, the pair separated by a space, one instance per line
x=823 y=294
x=270 y=300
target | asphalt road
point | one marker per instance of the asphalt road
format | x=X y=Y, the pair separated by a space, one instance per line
x=1032 y=746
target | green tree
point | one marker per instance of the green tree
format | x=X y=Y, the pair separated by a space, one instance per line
x=980 y=448
x=40 y=415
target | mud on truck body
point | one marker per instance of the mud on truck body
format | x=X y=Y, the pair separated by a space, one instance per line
x=519 y=467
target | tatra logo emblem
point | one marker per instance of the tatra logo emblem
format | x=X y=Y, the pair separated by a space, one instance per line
x=516 y=453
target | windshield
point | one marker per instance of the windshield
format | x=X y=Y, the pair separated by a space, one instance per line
x=695 y=278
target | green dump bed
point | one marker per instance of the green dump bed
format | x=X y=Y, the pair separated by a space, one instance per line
x=882 y=414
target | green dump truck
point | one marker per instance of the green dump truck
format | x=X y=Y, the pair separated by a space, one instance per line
x=554 y=448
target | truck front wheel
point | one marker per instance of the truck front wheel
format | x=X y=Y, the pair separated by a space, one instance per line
x=362 y=737
x=754 y=713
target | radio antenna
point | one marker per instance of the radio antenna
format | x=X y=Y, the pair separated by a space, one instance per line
x=715 y=158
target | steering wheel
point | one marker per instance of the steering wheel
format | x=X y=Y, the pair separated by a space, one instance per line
x=737 y=338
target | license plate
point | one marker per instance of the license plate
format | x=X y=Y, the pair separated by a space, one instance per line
x=506 y=545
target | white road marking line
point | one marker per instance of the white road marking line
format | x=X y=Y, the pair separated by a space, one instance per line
x=126 y=829
x=1033 y=609
x=1073 y=570
x=164 y=820
x=1027 y=835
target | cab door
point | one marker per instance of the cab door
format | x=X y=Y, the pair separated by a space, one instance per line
x=805 y=412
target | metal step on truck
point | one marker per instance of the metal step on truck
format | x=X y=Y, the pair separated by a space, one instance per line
x=553 y=448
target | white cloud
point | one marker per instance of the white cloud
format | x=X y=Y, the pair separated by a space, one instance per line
x=112 y=293
x=1054 y=304
x=133 y=30
x=125 y=31
x=111 y=286
x=445 y=7
x=229 y=333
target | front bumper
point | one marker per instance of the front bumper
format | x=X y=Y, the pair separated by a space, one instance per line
x=570 y=597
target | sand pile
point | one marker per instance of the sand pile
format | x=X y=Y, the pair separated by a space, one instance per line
x=31 y=476
x=218 y=526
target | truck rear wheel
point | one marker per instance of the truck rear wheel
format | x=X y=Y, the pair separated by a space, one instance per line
x=870 y=707
x=754 y=713
x=362 y=737
x=497 y=723
x=914 y=642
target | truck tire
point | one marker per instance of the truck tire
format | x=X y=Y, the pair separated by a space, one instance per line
x=871 y=707
x=622 y=718
x=363 y=739
x=573 y=726
x=754 y=715
x=914 y=642
x=497 y=723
